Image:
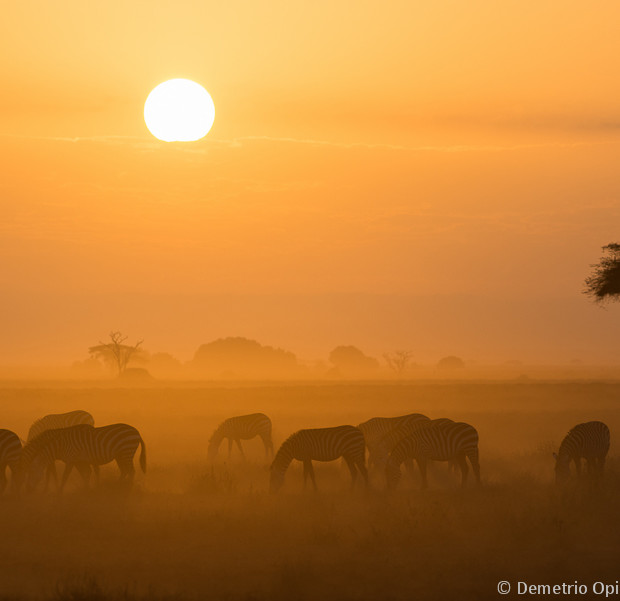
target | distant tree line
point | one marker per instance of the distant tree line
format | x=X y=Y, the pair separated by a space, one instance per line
x=241 y=358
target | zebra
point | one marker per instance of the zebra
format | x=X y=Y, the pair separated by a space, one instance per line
x=59 y=420
x=374 y=428
x=320 y=444
x=242 y=427
x=82 y=446
x=380 y=452
x=10 y=455
x=449 y=442
x=377 y=427
x=589 y=440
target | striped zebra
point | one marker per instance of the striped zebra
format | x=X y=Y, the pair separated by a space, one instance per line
x=82 y=446
x=242 y=427
x=376 y=427
x=449 y=442
x=320 y=444
x=380 y=451
x=10 y=455
x=59 y=420
x=589 y=440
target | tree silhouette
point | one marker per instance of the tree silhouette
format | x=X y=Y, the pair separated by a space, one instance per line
x=242 y=357
x=349 y=360
x=604 y=283
x=115 y=353
x=398 y=361
x=451 y=362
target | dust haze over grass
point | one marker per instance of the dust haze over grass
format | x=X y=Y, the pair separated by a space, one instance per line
x=190 y=530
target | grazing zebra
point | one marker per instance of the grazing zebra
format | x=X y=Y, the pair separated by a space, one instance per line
x=242 y=427
x=377 y=427
x=59 y=420
x=449 y=442
x=379 y=453
x=10 y=454
x=320 y=444
x=82 y=446
x=590 y=441
x=374 y=428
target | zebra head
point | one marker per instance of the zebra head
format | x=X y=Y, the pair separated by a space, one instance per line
x=562 y=469
x=276 y=478
x=378 y=455
x=214 y=445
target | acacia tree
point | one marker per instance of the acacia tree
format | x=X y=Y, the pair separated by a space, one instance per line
x=115 y=353
x=398 y=361
x=604 y=283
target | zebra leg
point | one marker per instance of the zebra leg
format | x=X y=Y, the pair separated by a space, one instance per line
x=15 y=479
x=362 y=469
x=65 y=476
x=268 y=446
x=462 y=462
x=51 y=472
x=422 y=465
x=410 y=467
x=230 y=444
x=309 y=471
x=96 y=471
x=125 y=465
x=353 y=470
x=84 y=471
x=240 y=448
x=475 y=464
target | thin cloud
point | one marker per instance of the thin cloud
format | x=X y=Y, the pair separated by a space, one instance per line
x=456 y=148
x=147 y=143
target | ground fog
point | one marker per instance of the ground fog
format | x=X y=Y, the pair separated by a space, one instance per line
x=194 y=530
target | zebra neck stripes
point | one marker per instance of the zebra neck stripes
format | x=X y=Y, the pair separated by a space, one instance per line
x=283 y=458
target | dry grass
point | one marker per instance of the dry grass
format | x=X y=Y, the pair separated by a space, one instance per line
x=193 y=531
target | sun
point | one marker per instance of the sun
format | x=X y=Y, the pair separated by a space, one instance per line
x=179 y=110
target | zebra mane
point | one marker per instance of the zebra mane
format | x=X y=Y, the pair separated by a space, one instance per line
x=288 y=440
x=36 y=422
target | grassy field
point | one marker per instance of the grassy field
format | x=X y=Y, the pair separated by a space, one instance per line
x=190 y=530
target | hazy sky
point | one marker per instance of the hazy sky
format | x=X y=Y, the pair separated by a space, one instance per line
x=436 y=176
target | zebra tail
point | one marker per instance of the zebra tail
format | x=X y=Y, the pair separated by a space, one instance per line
x=143 y=456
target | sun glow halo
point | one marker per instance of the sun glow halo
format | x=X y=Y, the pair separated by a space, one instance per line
x=179 y=110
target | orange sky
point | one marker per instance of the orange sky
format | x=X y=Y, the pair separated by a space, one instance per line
x=365 y=158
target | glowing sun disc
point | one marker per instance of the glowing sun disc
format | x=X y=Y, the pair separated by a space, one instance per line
x=179 y=110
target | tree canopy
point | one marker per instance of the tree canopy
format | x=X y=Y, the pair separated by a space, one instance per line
x=604 y=282
x=350 y=361
x=242 y=357
x=115 y=353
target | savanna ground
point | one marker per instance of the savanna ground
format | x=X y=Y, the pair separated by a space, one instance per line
x=190 y=530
